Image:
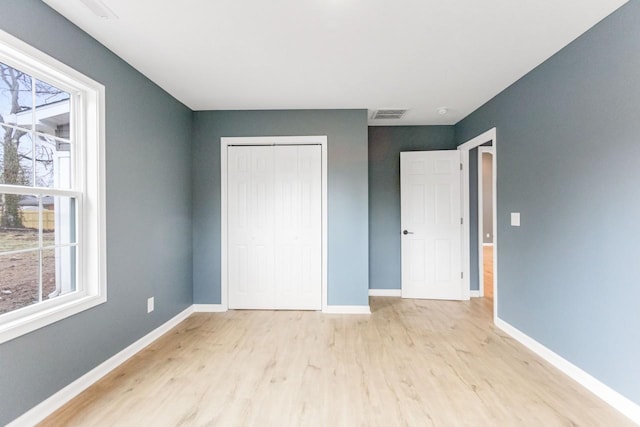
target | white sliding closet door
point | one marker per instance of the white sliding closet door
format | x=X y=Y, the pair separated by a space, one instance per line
x=275 y=227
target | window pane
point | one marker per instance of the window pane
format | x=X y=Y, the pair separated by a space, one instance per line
x=19 y=222
x=53 y=163
x=19 y=280
x=16 y=159
x=58 y=220
x=52 y=110
x=58 y=272
x=15 y=97
x=47 y=94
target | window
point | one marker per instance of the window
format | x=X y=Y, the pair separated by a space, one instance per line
x=52 y=243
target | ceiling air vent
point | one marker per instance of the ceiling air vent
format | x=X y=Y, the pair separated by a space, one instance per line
x=100 y=9
x=389 y=114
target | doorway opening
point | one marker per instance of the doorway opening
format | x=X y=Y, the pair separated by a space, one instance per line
x=485 y=222
x=472 y=244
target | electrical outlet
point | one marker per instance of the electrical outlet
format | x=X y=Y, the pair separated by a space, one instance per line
x=150 y=303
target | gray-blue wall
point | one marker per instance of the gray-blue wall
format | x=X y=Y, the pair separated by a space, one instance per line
x=568 y=150
x=148 y=217
x=385 y=145
x=348 y=275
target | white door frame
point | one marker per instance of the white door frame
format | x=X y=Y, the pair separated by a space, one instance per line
x=225 y=142
x=488 y=136
x=481 y=151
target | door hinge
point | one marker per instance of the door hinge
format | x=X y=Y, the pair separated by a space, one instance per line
x=462 y=274
x=460 y=166
x=461 y=221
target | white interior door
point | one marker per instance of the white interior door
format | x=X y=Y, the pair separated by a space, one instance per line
x=275 y=227
x=430 y=189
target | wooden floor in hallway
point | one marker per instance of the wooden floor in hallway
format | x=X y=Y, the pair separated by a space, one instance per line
x=411 y=362
x=487 y=259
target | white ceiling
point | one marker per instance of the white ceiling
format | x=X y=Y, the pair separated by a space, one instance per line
x=308 y=54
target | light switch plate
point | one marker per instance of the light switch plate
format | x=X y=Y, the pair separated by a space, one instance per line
x=150 y=304
x=515 y=219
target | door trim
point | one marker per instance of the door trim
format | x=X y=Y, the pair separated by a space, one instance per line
x=225 y=142
x=481 y=243
x=488 y=136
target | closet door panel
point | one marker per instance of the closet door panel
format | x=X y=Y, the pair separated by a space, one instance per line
x=250 y=227
x=287 y=201
x=298 y=233
x=310 y=158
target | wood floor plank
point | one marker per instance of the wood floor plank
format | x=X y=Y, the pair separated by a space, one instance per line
x=487 y=256
x=411 y=362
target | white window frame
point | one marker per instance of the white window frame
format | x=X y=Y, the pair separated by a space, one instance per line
x=88 y=116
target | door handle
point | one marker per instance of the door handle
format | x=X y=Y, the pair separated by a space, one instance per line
x=405 y=232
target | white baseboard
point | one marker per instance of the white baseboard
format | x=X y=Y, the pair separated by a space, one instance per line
x=487 y=244
x=474 y=294
x=603 y=391
x=347 y=309
x=57 y=400
x=209 y=308
x=385 y=292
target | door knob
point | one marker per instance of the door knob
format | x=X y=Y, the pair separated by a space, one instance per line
x=405 y=232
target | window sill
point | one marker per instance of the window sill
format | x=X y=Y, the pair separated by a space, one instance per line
x=29 y=323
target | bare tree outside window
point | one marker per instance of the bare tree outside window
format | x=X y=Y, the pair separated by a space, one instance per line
x=16 y=88
x=35 y=153
x=26 y=155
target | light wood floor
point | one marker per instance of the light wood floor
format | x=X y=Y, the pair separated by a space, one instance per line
x=411 y=362
x=487 y=260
